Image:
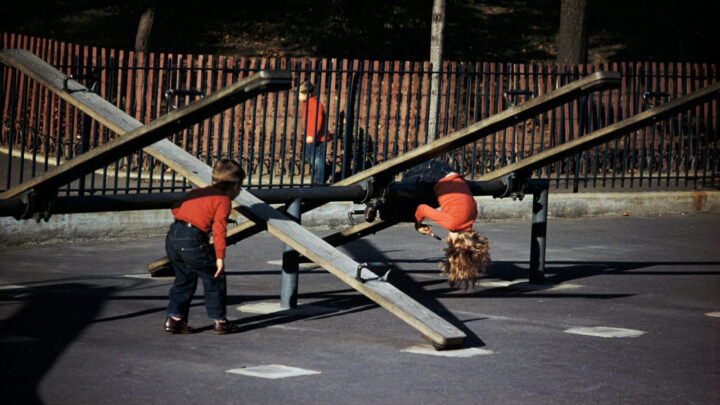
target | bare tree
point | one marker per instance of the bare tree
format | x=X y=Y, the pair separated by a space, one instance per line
x=572 y=37
x=143 y=33
x=436 y=50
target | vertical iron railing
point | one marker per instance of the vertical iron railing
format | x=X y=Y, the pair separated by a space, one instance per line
x=375 y=111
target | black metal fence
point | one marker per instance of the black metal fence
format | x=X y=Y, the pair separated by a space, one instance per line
x=375 y=111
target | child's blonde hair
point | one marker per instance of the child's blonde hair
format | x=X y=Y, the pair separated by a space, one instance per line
x=467 y=256
x=226 y=174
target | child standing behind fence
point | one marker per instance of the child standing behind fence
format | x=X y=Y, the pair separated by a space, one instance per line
x=201 y=211
x=314 y=129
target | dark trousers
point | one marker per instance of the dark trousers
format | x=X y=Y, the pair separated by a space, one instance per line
x=402 y=207
x=429 y=172
x=314 y=155
x=191 y=256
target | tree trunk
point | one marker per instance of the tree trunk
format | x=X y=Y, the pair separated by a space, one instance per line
x=572 y=38
x=144 y=28
x=436 y=49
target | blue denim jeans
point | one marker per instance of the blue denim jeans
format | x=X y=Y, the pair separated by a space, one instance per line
x=429 y=172
x=191 y=256
x=402 y=209
x=314 y=155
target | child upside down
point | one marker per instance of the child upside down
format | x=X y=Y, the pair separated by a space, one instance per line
x=467 y=253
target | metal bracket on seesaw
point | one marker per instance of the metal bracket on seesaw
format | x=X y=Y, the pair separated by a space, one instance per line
x=514 y=184
x=34 y=203
x=368 y=265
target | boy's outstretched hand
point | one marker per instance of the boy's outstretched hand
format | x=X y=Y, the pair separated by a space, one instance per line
x=220 y=265
x=422 y=228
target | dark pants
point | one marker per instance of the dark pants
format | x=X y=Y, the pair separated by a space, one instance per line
x=314 y=155
x=429 y=172
x=402 y=208
x=191 y=256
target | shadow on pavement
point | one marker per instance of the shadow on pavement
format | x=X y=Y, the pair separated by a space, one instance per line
x=558 y=272
x=51 y=318
x=400 y=279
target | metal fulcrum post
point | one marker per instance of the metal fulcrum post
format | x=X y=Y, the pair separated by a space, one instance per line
x=538 y=233
x=290 y=263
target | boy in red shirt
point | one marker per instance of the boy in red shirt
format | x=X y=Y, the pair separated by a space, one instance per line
x=201 y=211
x=315 y=127
x=467 y=253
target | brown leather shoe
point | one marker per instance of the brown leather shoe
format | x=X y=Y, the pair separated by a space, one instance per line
x=224 y=326
x=173 y=326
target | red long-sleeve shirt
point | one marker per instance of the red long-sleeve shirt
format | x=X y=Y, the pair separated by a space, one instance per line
x=314 y=113
x=458 y=206
x=207 y=209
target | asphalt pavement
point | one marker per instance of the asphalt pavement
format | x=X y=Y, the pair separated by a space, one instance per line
x=629 y=314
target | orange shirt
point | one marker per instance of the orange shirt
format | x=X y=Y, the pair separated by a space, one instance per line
x=458 y=206
x=314 y=113
x=207 y=209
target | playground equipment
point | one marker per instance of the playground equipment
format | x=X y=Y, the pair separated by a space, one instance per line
x=374 y=187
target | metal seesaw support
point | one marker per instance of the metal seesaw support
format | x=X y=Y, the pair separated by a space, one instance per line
x=290 y=262
x=23 y=208
x=399 y=194
x=539 y=189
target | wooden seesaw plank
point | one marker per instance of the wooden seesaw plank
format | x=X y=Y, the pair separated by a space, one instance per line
x=135 y=134
x=438 y=331
x=638 y=121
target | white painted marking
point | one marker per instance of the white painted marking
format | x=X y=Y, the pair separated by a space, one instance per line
x=293 y=328
x=605 y=332
x=434 y=277
x=497 y=284
x=301 y=265
x=524 y=285
x=12 y=287
x=480 y=315
x=459 y=353
x=714 y=314
x=563 y=286
x=148 y=276
x=272 y=371
x=274 y=307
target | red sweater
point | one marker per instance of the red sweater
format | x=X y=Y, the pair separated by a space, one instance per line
x=207 y=209
x=314 y=113
x=458 y=206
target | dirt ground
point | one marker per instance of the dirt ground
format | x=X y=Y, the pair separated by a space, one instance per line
x=482 y=31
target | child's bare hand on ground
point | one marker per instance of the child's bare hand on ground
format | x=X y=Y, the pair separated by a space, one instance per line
x=422 y=228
